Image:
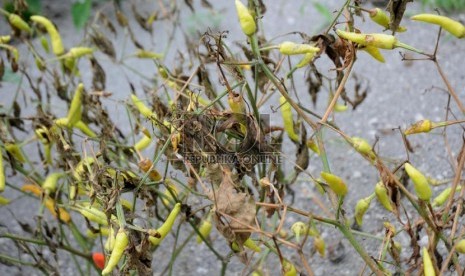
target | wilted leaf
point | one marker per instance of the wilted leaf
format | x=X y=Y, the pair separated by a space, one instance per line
x=235 y=210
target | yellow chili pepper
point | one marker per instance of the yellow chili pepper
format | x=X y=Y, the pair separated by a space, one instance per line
x=454 y=27
x=121 y=242
x=82 y=166
x=5 y=39
x=15 y=151
x=308 y=57
x=291 y=48
x=443 y=196
x=167 y=225
x=361 y=207
x=374 y=52
x=204 y=229
x=2 y=174
x=335 y=183
x=84 y=128
x=17 y=22
x=147 y=54
x=93 y=214
x=237 y=105
x=14 y=52
x=75 y=110
x=286 y=112
x=340 y=107
x=126 y=204
x=382 y=41
x=245 y=19
x=167 y=198
x=104 y=231
x=311 y=144
x=381 y=18
x=55 y=38
x=419 y=127
x=460 y=247
x=383 y=196
x=146 y=165
x=249 y=243
x=78 y=52
x=143 y=143
x=319 y=245
x=428 y=267
x=50 y=183
x=362 y=146
x=289 y=268
x=48 y=202
x=110 y=242
x=420 y=182
x=143 y=109
x=4 y=201
x=44 y=43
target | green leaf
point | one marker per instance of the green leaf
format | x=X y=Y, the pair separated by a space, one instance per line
x=323 y=10
x=11 y=76
x=80 y=12
x=34 y=6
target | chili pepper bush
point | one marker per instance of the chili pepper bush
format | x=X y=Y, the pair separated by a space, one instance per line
x=216 y=154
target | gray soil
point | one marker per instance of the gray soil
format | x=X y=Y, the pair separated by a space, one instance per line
x=399 y=94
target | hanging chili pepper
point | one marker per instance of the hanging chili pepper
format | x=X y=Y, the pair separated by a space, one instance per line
x=75 y=110
x=443 y=196
x=286 y=112
x=420 y=182
x=204 y=229
x=374 y=52
x=246 y=19
x=319 y=245
x=99 y=259
x=335 y=183
x=382 y=41
x=291 y=48
x=50 y=183
x=419 y=127
x=361 y=207
x=460 y=247
x=17 y=22
x=55 y=38
x=167 y=225
x=383 y=196
x=381 y=18
x=121 y=242
x=428 y=267
x=288 y=268
x=454 y=27
x=15 y=151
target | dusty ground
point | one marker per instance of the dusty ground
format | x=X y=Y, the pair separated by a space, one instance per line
x=399 y=93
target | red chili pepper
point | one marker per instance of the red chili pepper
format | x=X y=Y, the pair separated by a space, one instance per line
x=99 y=259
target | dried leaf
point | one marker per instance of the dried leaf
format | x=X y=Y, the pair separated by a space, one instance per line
x=141 y=20
x=103 y=43
x=397 y=8
x=98 y=75
x=235 y=210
